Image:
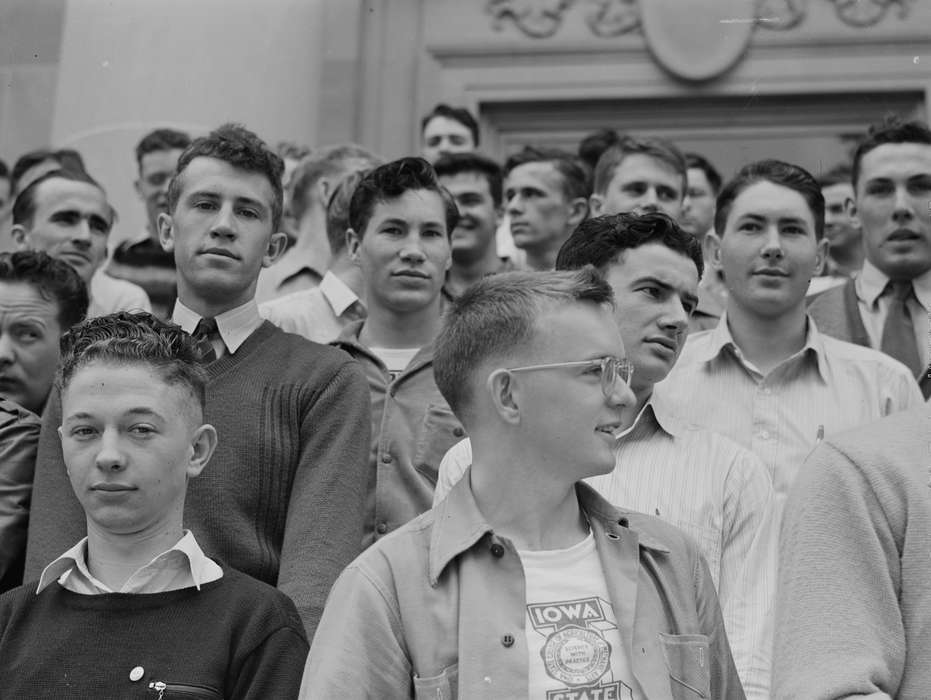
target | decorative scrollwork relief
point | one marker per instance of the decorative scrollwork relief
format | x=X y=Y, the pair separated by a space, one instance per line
x=866 y=13
x=780 y=15
x=535 y=18
x=613 y=17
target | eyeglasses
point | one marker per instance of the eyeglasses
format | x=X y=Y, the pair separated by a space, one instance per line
x=610 y=369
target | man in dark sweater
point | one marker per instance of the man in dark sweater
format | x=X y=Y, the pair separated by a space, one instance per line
x=136 y=609
x=282 y=498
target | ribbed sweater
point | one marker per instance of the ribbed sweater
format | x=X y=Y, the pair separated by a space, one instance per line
x=853 y=610
x=282 y=497
x=236 y=637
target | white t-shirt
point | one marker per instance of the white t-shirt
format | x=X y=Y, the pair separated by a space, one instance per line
x=573 y=641
x=396 y=359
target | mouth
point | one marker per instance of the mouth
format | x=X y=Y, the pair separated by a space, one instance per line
x=112 y=488
x=903 y=234
x=415 y=274
x=771 y=272
x=664 y=342
x=74 y=256
x=610 y=429
x=9 y=384
x=220 y=252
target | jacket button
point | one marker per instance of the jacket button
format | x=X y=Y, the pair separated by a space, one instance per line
x=508 y=640
x=381 y=528
x=386 y=458
x=497 y=550
x=458 y=432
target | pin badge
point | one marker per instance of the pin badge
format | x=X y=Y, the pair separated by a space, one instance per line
x=136 y=673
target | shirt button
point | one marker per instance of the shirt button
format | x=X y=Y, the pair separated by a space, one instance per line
x=767 y=390
x=458 y=432
x=765 y=435
x=497 y=550
x=381 y=528
x=386 y=458
x=136 y=673
x=508 y=640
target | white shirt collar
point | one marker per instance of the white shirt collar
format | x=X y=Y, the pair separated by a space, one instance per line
x=338 y=293
x=234 y=325
x=871 y=283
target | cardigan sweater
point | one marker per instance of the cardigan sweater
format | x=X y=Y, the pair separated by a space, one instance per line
x=235 y=638
x=853 y=610
x=291 y=463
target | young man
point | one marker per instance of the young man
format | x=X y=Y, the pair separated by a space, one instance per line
x=524 y=582
x=546 y=196
x=292 y=416
x=304 y=263
x=136 y=607
x=475 y=182
x=447 y=130
x=845 y=238
x=765 y=376
x=887 y=306
x=705 y=484
x=66 y=214
x=400 y=220
x=141 y=259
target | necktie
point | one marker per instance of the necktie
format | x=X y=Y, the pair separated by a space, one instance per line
x=204 y=332
x=899 y=331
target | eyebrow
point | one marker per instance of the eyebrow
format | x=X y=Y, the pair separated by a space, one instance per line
x=239 y=199
x=138 y=411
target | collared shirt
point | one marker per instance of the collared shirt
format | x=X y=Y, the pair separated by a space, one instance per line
x=874 y=306
x=412 y=427
x=109 y=295
x=711 y=488
x=826 y=387
x=318 y=314
x=439 y=608
x=712 y=298
x=183 y=566
x=234 y=326
x=297 y=269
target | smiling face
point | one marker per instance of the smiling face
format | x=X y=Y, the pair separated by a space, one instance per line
x=478 y=217
x=130 y=442
x=768 y=251
x=698 y=207
x=894 y=208
x=444 y=135
x=221 y=233
x=641 y=184
x=404 y=253
x=656 y=291
x=155 y=171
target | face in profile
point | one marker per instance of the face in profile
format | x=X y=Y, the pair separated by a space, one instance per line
x=221 y=232
x=130 y=443
x=155 y=171
x=404 y=253
x=641 y=184
x=443 y=135
x=29 y=354
x=698 y=207
x=478 y=216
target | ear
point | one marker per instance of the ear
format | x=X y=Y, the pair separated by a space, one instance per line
x=596 y=204
x=137 y=186
x=19 y=235
x=166 y=232
x=276 y=245
x=323 y=191
x=203 y=443
x=578 y=210
x=353 y=242
x=501 y=386
x=851 y=208
x=821 y=256
x=711 y=248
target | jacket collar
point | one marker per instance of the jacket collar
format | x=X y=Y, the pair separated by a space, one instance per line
x=348 y=340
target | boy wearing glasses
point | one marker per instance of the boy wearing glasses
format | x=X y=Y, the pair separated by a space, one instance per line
x=524 y=582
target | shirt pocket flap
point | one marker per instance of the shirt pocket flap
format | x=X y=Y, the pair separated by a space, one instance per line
x=688 y=661
x=442 y=687
x=440 y=431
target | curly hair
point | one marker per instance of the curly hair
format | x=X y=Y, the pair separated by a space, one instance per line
x=55 y=280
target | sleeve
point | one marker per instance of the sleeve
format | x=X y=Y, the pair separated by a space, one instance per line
x=747 y=582
x=56 y=519
x=838 y=629
x=906 y=393
x=19 y=438
x=274 y=668
x=323 y=529
x=457 y=459
x=358 y=651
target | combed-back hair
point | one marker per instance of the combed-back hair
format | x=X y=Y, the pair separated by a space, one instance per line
x=840 y=174
x=698 y=161
x=161 y=140
x=659 y=149
x=55 y=280
x=67 y=159
x=325 y=161
x=451 y=164
x=337 y=211
x=236 y=145
x=601 y=240
x=893 y=129
x=457 y=114
x=595 y=144
x=778 y=172
x=24 y=206
x=139 y=338
x=390 y=181
x=575 y=179
x=497 y=319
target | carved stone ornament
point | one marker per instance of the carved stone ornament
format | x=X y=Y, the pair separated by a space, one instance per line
x=613 y=17
x=536 y=18
x=866 y=13
x=780 y=14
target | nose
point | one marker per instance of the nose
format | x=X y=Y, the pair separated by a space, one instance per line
x=514 y=204
x=110 y=457
x=772 y=246
x=902 y=210
x=675 y=317
x=224 y=225
x=622 y=396
x=649 y=201
x=412 y=250
x=7 y=355
x=81 y=233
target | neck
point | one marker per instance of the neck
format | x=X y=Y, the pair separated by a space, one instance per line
x=541 y=260
x=112 y=558
x=767 y=341
x=312 y=232
x=211 y=307
x=848 y=258
x=348 y=272
x=386 y=328
x=463 y=275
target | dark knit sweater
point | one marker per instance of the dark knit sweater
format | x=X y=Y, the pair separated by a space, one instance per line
x=283 y=494
x=236 y=637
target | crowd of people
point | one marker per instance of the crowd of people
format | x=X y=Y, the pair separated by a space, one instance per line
x=590 y=426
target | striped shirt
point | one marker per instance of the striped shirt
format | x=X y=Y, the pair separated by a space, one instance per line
x=712 y=489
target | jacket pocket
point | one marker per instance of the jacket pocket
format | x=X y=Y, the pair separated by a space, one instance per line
x=689 y=664
x=439 y=431
x=442 y=687
x=182 y=691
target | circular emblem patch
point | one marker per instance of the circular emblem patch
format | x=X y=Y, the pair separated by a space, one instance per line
x=574 y=655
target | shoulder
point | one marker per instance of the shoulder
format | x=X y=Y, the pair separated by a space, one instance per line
x=255 y=600
x=290 y=305
x=15 y=417
x=897 y=439
x=831 y=297
x=303 y=356
x=858 y=356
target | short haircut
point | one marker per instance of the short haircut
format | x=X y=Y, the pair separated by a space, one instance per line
x=838 y=175
x=697 y=160
x=337 y=211
x=67 y=159
x=891 y=130
x=292 y=150
x=602 y=240
x=326 y=161
x=779 y=173
x=55 y=280
x=161 y=140
x=451 y=164
x=595 y=144
x=134 y=339
x=457 y=114
x=656 y=148
x=25 y=205
x=237 y=146
x=497 y=318
x=390 y=181
x=576 y=182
